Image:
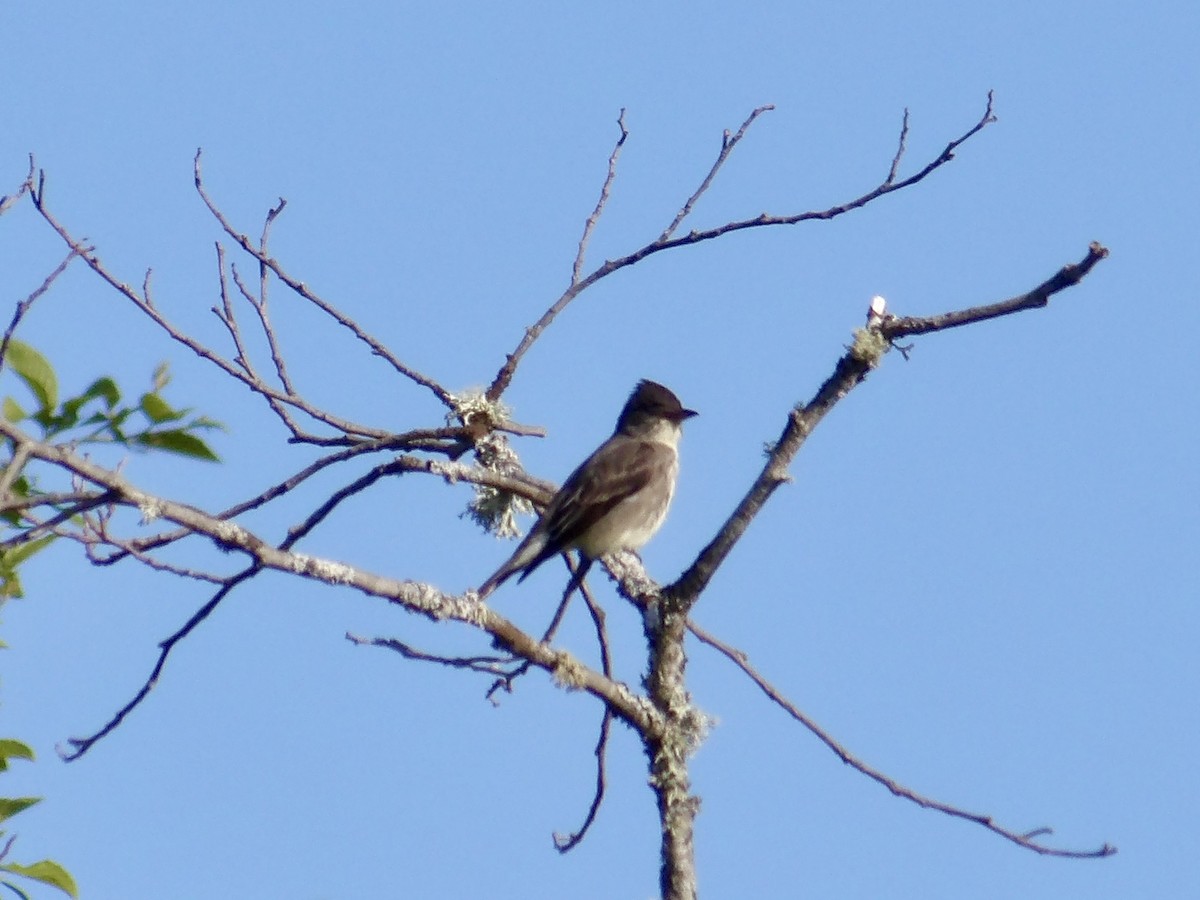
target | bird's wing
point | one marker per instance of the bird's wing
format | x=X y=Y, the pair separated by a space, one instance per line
x=607 y=477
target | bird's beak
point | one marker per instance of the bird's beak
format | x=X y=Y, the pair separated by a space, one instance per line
x=685 y=414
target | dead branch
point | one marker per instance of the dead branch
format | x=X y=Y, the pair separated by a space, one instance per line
x=564 y=843
x=664 y=242
x=1026 y=839
x=727 y=145
x=851 y=369
x=10 y=200
x=301 y=289
x=145 y=303
x=590 y=225
x=416 y=597
x=80 y=746
x=1067 y=276
x=24 y=305
x=491 y=665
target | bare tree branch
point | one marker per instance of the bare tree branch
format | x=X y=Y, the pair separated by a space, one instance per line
x=451 y=472
x=82 y=745
x=564 y=843
x=851 y=369
x=903 y=145
x=24 y=305
x=491 y=665
x=10 y=200
x=416 y=597
x=243 y=241
x=727 y=145
x=889 y=185
x=1067 y=276
x=12 y=471
x=669 y=726
x=146 y=305
x=24 y=504
x=1026 y=839
x=507 y=679
x=590 y=225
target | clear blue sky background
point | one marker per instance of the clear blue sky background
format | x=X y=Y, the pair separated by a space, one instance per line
x=983 y=579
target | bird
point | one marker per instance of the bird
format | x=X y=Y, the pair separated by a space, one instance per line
x=617 y=498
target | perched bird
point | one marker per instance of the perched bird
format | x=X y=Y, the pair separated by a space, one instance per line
x=618 y=498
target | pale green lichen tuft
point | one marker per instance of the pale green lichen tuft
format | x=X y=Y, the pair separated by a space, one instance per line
x=333 y=572
x=230 y=533
x=472 y=408
x=568 y=672
x=696 y=727
x=869 y=346
x=492 y=509
x=150 y=508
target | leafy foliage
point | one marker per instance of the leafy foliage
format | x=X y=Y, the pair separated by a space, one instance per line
x=45 y=871
x=97 y=415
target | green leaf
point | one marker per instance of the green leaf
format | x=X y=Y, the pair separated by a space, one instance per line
x=206 y=422
x=13 y=411
x=10 y=806
x=10 y=749
x=10 y=583
x=103 y=389
x=47 y=872
x=114 y=426
x=35 y=371
x=19 y=488
x=177 y=441
x=106 y=389
x=15 y=556
x=157 y=409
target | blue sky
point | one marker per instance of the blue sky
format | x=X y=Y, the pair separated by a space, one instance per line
x=982 y=580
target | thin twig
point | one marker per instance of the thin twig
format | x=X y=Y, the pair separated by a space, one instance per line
x=449 y=471
x=144 y=303
x=1023 y=839
x=260 y=306
x=24 y=305
x=90 y=501
x=10 y=200
x=903 y=145
x=565 y=843
x=105 y=538
x=297 y=286
x=298 y=435
x=80 y=746
x=505 y=374
x=507 y=679
x=300 y=530
x=590 y=225
x=415 y=597
x=727 y=145
x=228 y=316
x=491 y=665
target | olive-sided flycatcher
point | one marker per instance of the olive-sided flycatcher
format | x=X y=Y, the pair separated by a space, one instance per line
x=618 y=498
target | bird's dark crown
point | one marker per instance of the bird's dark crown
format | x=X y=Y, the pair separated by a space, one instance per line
x=651 y=399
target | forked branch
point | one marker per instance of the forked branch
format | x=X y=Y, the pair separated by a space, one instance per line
x=851 y=369
x=665 y=241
